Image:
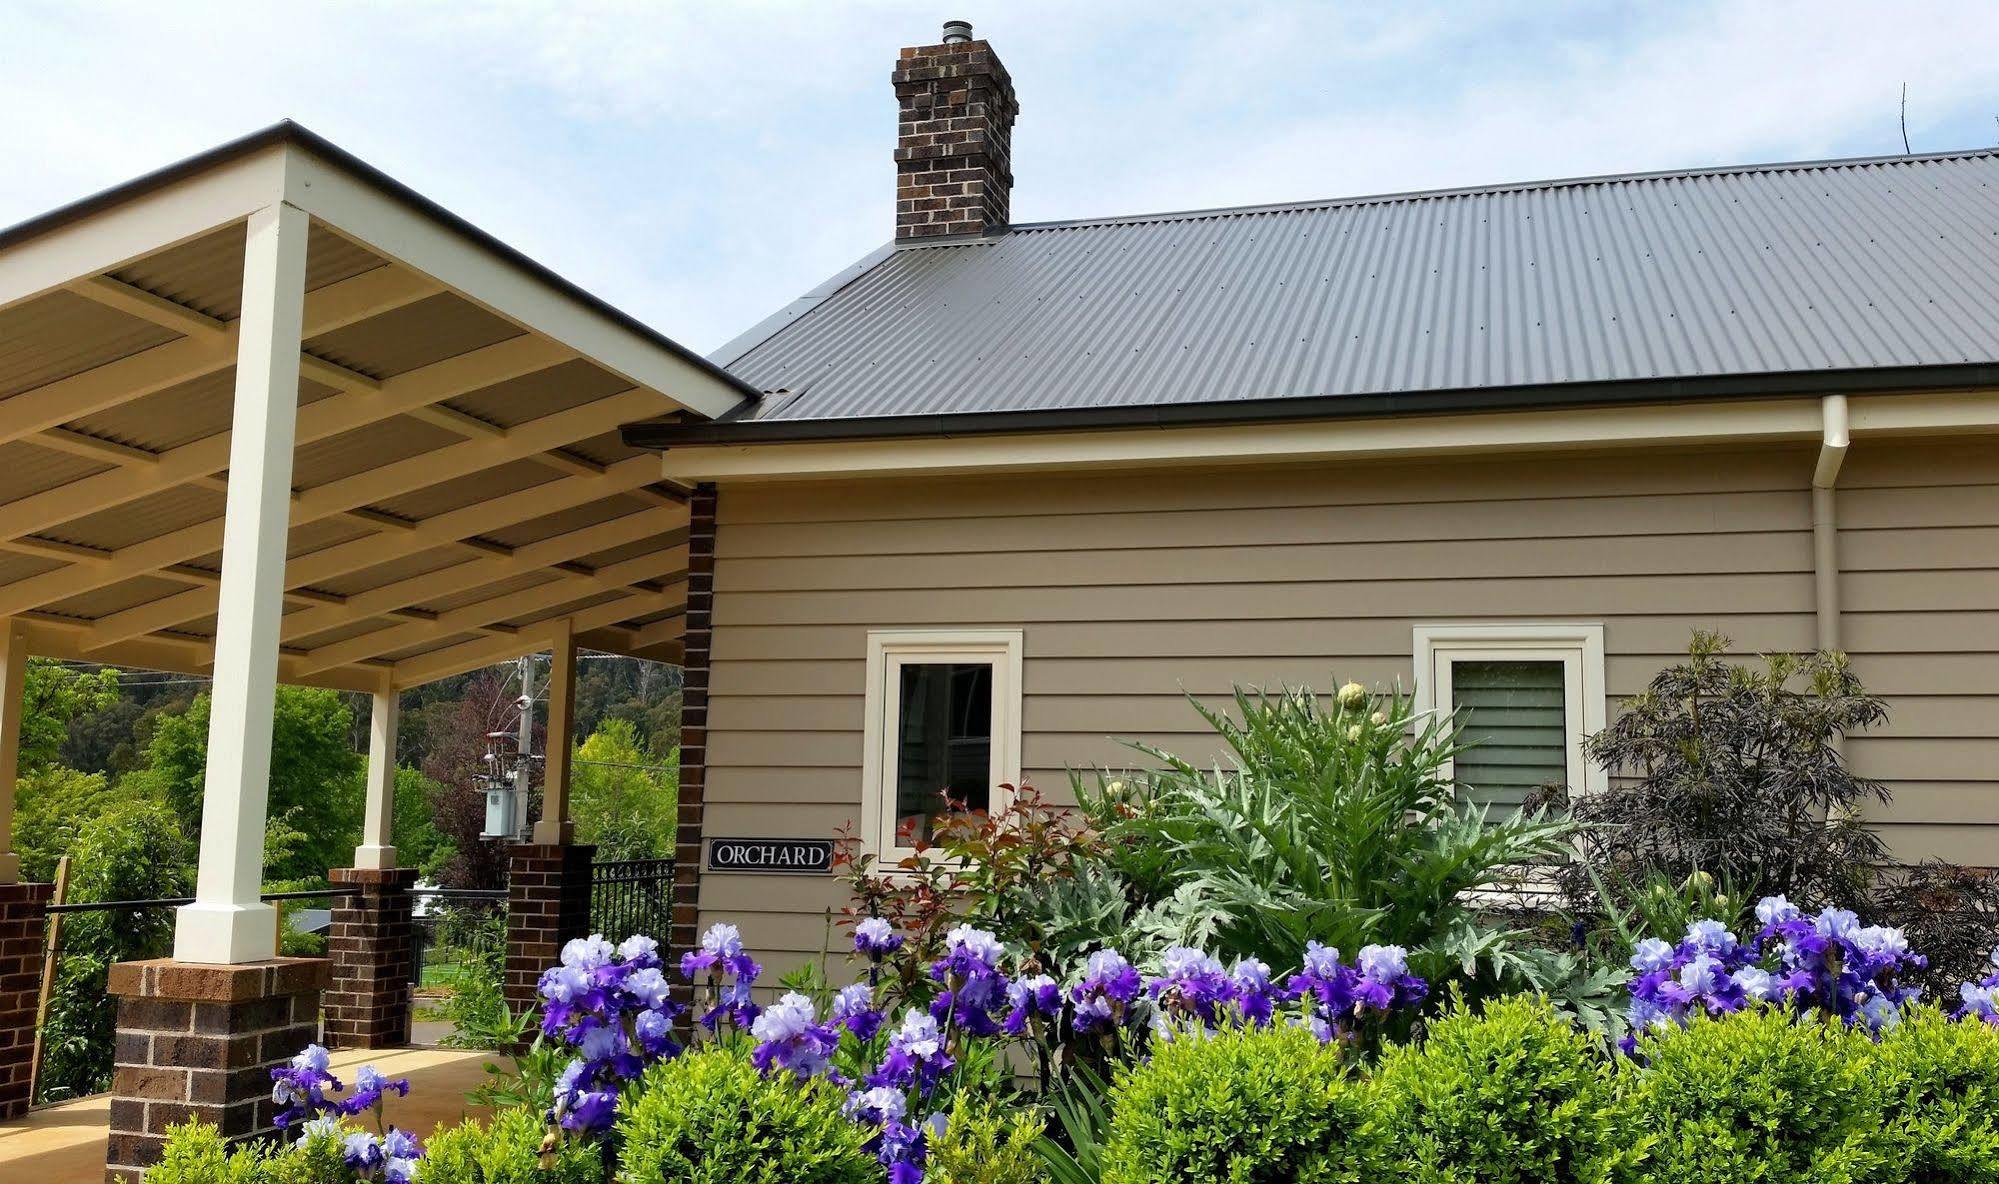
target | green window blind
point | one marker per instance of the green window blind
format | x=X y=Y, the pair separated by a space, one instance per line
x=1515 y=719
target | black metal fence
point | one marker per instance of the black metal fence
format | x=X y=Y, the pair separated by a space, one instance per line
x=456 y=927
x=632 y=896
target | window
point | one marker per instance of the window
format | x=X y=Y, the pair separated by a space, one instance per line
x=1527 y=696
x=943 y=729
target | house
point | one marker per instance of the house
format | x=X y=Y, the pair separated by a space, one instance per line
x=1011 y=489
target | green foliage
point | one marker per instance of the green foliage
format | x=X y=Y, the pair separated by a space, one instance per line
x=508 y=1151
x=473 y=947
x=1513 y=1095
x=196 y=1153
x=1333 y=822
x=315 y=783
x=986 y=1143
x=412 y=829
x=1082 y=1111
x=710 y=1118
x=53 y=695
x=624 y=799
x=1757 y=1095
x=1939 y=1084
x=51 y=805
x=1242 y=1106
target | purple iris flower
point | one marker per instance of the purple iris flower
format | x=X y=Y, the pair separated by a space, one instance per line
x=361 y=1151
x=1103 y=999
x=854 y=1009
x=791 y=1038
x=1191 y=988
x=369 y=1086
x=299 y=1087
x=1032 y=999
x=916 y=1057
x=729 y=972
x=974 y=987
x=876 y=939
x=1384 y=982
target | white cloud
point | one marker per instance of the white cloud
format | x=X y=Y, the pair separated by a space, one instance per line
x=700 y=164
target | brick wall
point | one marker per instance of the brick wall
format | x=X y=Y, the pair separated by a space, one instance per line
x=373 y=950
x=198 y=1042
x=548 y=903
x=22 y=914
x=694 y=718
x=954 y=147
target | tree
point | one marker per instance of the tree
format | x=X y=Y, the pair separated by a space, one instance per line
x=53 y=695
x=1734 y=771
x=315 y=784
x=621 y=798
x=456 y=733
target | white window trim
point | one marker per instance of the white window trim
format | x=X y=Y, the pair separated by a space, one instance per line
x=886 y=649
x=1578 y=646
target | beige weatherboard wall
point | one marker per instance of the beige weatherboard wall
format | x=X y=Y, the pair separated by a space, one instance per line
x=269 y=415
x=1131 y=586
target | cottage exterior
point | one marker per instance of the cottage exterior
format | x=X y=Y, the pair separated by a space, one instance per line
x=1013 y=490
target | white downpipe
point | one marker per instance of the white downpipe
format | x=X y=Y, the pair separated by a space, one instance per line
x=1833 y=442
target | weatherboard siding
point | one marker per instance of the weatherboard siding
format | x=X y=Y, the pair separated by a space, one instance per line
x=1132 y=588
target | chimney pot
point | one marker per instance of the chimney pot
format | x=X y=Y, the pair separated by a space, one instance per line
x=957 y=31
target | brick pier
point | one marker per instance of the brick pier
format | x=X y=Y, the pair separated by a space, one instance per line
x=23 y=910
x=198 y=1041
x=548 y=903
x=373 y=951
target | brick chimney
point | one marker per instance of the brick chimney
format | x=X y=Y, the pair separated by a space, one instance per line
x=953 y=151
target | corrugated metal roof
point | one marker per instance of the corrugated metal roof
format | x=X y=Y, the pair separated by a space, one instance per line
x=1770 y=269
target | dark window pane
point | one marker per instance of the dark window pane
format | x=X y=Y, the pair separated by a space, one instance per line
x=1513 y=713
x=944 y=741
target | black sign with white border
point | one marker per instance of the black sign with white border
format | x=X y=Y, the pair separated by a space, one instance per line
x=783 y=857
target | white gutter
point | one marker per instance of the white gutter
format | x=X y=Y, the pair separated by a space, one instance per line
x=1834 y=438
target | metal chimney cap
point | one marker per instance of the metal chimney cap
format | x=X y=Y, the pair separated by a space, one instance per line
x=957 y=31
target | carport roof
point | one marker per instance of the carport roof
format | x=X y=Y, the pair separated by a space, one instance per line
x=459 y=487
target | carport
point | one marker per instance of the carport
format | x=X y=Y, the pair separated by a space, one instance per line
x=269 y=415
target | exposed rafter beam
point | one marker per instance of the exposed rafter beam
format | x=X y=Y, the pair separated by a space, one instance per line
x=316 y=421
x=332 y=307
x=452 y=528
x=323 y=501
x=553 y=594
x=464 y=577
x=167 y=314
x=470 y=655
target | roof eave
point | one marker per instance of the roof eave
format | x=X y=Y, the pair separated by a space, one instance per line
x=1879 y=380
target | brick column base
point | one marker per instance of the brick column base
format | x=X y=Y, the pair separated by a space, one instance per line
x=23 y=910
x=197 y=1042
x=548 y=903
x=373 y=951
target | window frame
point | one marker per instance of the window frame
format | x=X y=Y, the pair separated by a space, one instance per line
x=888 y=651
x=1577 y=645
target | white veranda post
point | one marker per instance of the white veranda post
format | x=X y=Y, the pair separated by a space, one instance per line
x=13 y=687
x=227 y=923
x=377 y=849
x=554 y=826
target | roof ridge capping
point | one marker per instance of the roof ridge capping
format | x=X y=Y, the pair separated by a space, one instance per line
x=1412 y=195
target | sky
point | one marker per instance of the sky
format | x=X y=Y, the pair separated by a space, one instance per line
x=699 y=164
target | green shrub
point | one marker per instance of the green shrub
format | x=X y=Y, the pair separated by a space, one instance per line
x=1246 y=1106
x=1754 y=1096
x=506 y=1152
x=986 y=1143
x=196 y=1153
x=710 y=1118
x=1939 y=1083
x=1514 y=1094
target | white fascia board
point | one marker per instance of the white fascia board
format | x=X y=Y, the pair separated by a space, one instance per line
x=107 y=239
x=1417 y=435
x=360 y=211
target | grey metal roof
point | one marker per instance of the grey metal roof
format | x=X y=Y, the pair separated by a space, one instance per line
x=1789 y=269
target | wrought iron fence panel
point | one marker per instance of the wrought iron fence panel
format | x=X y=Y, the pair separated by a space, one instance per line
x=630 y=897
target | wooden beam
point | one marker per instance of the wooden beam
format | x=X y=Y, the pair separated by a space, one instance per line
x=470 y=655
x=452 y=528
x=464 y=577
x=553 y=594
x=130 y=298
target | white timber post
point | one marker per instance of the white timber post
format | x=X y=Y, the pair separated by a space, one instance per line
x=228 y=923
x=377 y=849
x=554 y=827
x=13 y=701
